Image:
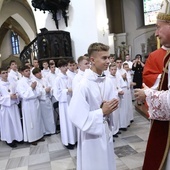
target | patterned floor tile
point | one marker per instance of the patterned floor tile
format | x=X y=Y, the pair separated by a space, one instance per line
x=133 y=161
x=124 y=151
x=52 y=155
x=38 y=159
x=43 y=166
x=61 y=154
x=63 y=164
x=38 y=149
x=17 y=162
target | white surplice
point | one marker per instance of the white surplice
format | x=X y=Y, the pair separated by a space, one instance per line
x=9 y=115
x=46 y=106
x=129 y=93
x=32 y=121
x=14 y=76
x=71 y=74
x=116 y=115
x=95 y=142
x=51 y=78
x=68 y=130
x=124 y=101
x=77 y=78
x=45 y=72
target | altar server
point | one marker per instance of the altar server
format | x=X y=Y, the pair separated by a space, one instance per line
x=11 y=130
x=91 y=106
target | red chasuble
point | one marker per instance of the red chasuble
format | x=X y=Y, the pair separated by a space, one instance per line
x=159 y=137
x=153 y=67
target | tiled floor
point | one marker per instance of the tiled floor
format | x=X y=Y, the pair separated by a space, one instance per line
x=51 y=155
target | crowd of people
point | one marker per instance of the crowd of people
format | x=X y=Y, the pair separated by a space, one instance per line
x=34 y=101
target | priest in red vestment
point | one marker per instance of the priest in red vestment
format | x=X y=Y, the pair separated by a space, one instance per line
x=154 y=66
x=155 y=75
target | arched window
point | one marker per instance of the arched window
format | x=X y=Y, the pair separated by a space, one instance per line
x=15 y=43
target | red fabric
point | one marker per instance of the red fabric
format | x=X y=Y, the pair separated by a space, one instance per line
x=156 y=145
x=153 y=67
x=158 y=137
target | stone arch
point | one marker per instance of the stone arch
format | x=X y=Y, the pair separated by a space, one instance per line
x=16 y=16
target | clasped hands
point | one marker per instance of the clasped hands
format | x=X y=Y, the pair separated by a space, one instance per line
x=109 y=106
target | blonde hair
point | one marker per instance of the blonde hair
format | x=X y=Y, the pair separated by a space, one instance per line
x=96 y=47
x=81 y=58
x=112 y=65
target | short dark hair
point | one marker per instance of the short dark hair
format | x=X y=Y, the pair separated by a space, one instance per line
x=124 y=64
x=50 y=65
x=36 y=70
x=62 y=62
x=118 y=59
x=112 y=55
x=45 y=62
x=24 y=68
x=3 y=69
x=71 y=61
x=12 y=61
x=138 y=56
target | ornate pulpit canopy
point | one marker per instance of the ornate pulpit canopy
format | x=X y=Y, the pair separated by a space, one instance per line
x=56 y=7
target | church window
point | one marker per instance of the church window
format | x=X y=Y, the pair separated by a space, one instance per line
x=15 y=43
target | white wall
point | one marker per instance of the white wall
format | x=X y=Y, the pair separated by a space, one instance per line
x=86 y=21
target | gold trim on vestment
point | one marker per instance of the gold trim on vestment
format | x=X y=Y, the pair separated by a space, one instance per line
x=166 y=150
x=163 y=74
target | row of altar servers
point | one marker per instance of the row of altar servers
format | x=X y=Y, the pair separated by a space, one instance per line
x=38 y=116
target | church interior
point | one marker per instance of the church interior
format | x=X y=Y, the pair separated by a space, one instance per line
x=32 y=30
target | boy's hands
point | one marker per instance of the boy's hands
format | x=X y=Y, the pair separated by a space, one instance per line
x=109 y=106
x=33 y=85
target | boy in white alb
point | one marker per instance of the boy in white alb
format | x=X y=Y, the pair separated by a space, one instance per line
x=45 y=70
x=45 y=102
x=62 y=93
x=130 y=84
x=13 y=75
x=90 y=110
x=70 y=72
x=32 y=121
x=51 y=77
x=116 y=79
x=11 y=130
x=83 y=64
x=124 y=115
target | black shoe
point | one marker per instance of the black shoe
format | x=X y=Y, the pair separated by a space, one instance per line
x=123 y=129
x=47 y=135
x=70 y=146
x=118 y=133
x=34 y=143
x=12 y=145
x=57 y=131
x=41 y=140
x=115 y=136
x=19 y=142
x=131 y=121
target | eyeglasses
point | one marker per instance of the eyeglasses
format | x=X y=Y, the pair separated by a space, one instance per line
x=4 y=72
x=118 y=62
